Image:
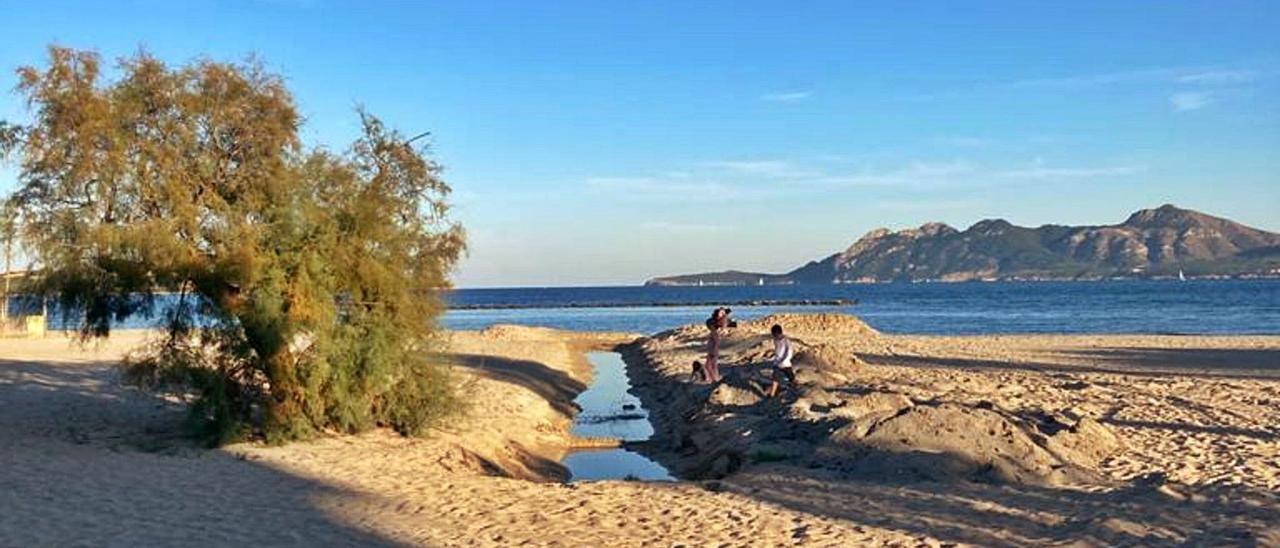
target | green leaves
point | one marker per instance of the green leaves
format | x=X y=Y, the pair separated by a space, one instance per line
x=317 y=274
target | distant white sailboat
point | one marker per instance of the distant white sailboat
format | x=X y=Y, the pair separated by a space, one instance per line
x=1181 y=277
x=760 y=282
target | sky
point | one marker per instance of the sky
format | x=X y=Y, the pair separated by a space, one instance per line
x=604 y=143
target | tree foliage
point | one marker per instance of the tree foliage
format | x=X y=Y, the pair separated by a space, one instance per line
x=308 y=281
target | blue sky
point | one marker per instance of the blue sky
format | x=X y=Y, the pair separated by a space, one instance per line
x=605 y=143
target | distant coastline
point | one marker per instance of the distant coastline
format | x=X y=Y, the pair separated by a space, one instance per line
x=663 y=304
x=1162 y=243
x=666 y=282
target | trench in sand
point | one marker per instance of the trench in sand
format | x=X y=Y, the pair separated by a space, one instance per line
x=611 y=411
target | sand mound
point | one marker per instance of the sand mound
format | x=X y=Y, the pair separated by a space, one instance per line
x=802 y=325
x=1086 y=442
x=828 y=359
x=868 y=409
x=507 y=332
x=813 y=324
x=951 y=441
x=750 y=340
x=746 y=346
x=743 y=347
x=734 y=395
x=852 y=424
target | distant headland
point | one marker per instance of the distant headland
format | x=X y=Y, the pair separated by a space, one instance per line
x=1165 y=242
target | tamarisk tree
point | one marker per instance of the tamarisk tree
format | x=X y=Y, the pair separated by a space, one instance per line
x=301 y=286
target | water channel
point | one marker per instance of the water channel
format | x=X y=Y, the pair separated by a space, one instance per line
x=609 y=410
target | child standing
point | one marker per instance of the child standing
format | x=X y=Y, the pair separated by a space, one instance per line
x=711 y=369
x=782 y=354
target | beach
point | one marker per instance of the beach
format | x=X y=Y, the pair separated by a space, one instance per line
x=615 y=275
x=1114 y=440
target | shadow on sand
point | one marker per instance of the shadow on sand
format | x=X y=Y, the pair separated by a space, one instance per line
x=939 y=495
x=985 y=514
x=1155 y=362
x=86 y=461
x=933 y=494
x=557 y=387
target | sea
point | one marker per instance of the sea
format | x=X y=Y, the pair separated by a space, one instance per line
x=969 y=308
x=1128 y=306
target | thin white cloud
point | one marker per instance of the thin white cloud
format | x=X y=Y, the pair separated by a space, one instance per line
x=1219 y=77
x=656 y=185
x=1042 y=172
x=927 y=205
x=761 y=178
x=787 y=97
x=1224 y=75
x=967 y=142
x=292 y=3
x=916 y=174
x=838 y=158
x=1098 y=79
x=962 y=174
x=1185 y=101
x=677 y=227
x=764 y=168
x=1183 y=75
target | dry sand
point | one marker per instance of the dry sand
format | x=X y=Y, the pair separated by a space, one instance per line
x=84 y=460
x=1008 y=440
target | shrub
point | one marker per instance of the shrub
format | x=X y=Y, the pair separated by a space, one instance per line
x=307 y=282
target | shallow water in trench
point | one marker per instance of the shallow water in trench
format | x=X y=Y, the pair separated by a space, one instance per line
x=609 y=410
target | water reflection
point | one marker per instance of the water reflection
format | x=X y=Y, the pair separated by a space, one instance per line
x=610 y=410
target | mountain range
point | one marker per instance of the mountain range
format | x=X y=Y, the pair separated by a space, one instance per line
x=1152 y=243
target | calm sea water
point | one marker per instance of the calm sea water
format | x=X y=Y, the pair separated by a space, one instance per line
x=1197 y=306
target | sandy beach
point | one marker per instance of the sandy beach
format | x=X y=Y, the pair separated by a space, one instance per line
x=1107 y=440
x=639 y=274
